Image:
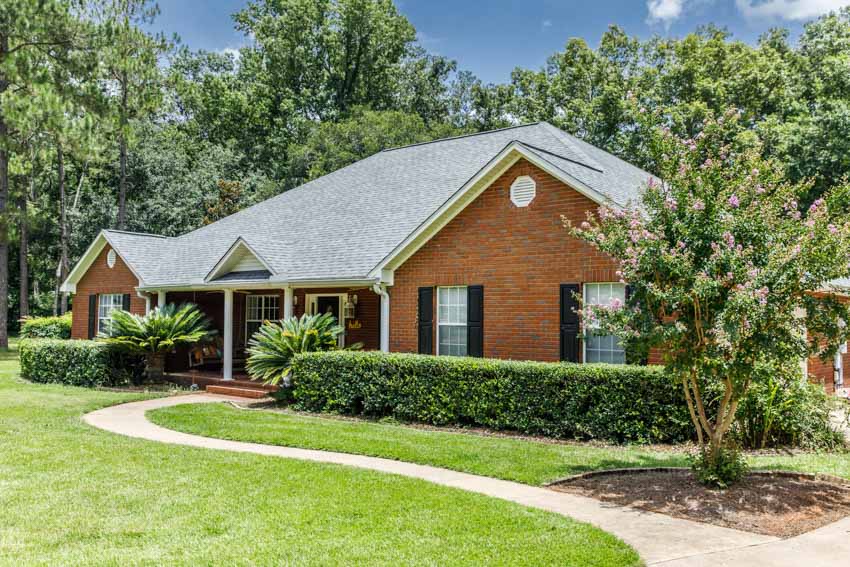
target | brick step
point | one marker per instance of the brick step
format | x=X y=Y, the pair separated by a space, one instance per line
x=253 y=393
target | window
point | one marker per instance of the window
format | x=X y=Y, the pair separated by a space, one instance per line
x=451 y=321
x=106 y=304
x=523 y=191
x=259 y=308
x=604 y=348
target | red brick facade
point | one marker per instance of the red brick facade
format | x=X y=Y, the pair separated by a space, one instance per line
x=100 y=278
x=520 y=256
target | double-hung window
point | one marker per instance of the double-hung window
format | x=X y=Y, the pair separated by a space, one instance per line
x=260 y=308
x=106 y=304
x=451 y=320
x=598 y=347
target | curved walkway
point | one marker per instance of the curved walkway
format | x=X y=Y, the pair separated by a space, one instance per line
x=659 y=539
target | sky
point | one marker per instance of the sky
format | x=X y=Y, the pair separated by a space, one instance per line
x=492 y=37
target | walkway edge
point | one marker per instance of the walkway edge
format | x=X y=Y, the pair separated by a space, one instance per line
x=656 y=537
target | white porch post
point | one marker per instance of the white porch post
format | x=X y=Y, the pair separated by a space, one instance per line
x=147 y=304
x=288 y=294
x=227 y=358
x=385 y=316
x=160 y=298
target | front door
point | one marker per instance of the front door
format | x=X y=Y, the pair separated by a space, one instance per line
x=328 y=304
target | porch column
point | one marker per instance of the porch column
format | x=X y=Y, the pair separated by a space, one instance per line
x=227 y=358
x=288 y=293
x=385 y=316
x=147 y=304
x=160 y=299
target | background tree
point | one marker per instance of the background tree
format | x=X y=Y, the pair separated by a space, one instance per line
x=726 y=272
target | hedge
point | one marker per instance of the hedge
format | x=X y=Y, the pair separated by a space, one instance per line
x=620 y=403
x=77 y=363
x=47 y=327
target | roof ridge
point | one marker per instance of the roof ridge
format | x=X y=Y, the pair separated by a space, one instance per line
x=565 y=138
x=133 y=233
x=460 y=136
x=571 y=160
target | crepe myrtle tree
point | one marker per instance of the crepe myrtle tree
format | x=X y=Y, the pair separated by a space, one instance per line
x=726 y=271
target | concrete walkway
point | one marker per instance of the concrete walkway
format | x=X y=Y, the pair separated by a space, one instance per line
x=658 y=538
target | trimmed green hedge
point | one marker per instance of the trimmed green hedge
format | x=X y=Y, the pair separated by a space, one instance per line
x=636 y=404
x=77 y=363
x=46 y=327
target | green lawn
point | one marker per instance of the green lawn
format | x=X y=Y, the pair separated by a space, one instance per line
x=531 y=462
x=73 y=495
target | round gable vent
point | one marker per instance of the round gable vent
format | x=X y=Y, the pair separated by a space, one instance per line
x=523 y=191
x=110 y=258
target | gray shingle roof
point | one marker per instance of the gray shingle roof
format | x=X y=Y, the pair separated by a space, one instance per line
x=342 y=225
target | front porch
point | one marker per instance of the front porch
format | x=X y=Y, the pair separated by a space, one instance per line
x=236 y=314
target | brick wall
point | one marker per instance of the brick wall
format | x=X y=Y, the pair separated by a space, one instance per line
x=100 y=278
x=520 y=256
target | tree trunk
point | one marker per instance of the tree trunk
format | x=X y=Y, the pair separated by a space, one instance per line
x=122 y=160
x=4 y=195
x=155 y=367
x=62 y=272
x=23 y=258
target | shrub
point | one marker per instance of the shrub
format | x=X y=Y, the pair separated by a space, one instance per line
x=616 y=403
x=271 y=349
x=726 y=467
x=157 y=333
x=46 y=327
x=76 y=363
x=786 y=411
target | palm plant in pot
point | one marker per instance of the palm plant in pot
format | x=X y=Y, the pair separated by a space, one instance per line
x=271 y=349
x=158 y=333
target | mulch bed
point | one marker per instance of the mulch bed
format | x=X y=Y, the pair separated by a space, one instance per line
x=770 y=504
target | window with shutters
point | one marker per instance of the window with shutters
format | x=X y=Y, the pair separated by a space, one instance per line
x=597 y=347
x=523 y=191
x=451 y=320
x=260 y=308
x=106 y=304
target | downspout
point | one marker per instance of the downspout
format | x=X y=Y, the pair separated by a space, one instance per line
x=147 y=299
x=381 y=290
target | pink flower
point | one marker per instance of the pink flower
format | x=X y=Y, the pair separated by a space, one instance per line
x=759 y=189
x=733 y=201
x=729 y=239
x=616 y=303
x=832 y=229
x=698 y=205
x=585 y=225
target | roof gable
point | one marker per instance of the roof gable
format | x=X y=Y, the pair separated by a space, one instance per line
x=240 y=261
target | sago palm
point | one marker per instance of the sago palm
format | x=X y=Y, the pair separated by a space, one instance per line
x=158 y=332
x=271 y=349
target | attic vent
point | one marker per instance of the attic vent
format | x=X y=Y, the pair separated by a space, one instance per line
x=523 y=190
x=110 y=258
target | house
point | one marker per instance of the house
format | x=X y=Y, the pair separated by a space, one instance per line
x=452 y=247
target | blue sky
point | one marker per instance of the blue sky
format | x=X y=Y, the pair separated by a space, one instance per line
x=492 y=37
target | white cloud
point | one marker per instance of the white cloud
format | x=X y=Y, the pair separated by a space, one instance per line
x=788 y=9
x=232 y=51
x=664 y=11
x=546 y=24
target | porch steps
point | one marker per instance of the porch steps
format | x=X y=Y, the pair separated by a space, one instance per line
x=238 y=391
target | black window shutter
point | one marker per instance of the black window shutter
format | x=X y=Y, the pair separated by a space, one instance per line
x=125 y=302
x=569 y=323
x=475 y=320
x=92 y=316
x=426 y=320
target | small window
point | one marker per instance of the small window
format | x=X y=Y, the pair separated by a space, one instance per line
x=260 y=308
x=523 y=191
x=604 y=348
x=106 y=304
x=110 y=259
x=451 y=320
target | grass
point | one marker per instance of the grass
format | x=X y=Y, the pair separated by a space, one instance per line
x=74 y=495
x=521 y=460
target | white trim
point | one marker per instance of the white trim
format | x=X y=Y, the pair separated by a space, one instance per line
x=253 y=285
x=381 y=290
x=160 y=298
x=476 y=185
x=219 y=268
x=310 y=307
x=88 y=258
x=114 y=307
x=287 y=302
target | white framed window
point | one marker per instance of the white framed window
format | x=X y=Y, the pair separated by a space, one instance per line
x=451 y=320
x=106 y=304
x=260 y=308
x=597 y=347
